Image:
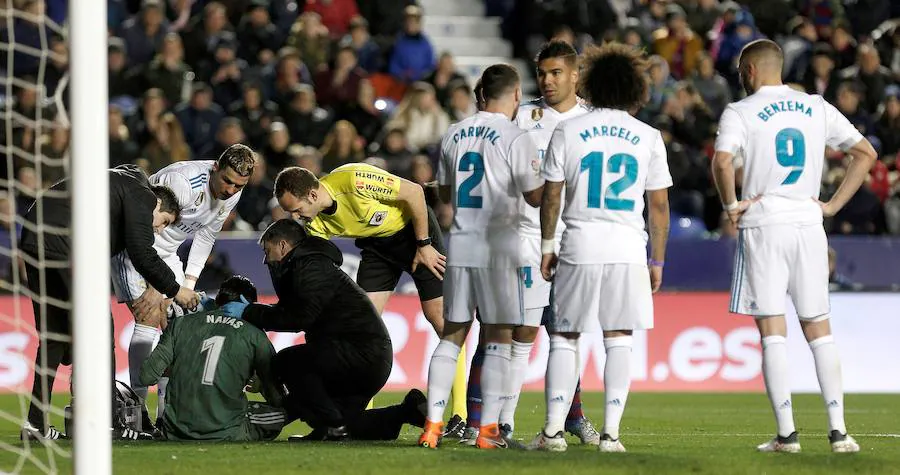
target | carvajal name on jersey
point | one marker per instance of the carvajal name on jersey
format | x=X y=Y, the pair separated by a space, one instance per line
x=482 y=132
x=224 y=320
x=609 y=131
x=783 y=106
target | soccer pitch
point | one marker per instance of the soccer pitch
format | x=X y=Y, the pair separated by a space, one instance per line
x=664 y=433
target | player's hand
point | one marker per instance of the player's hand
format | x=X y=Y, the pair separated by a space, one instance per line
x=253 y=386
x=431 y=259
x=548 y=266
x=735 y=215
x=187 y=298
x=827 y=209
x=235 y=309
x=655 y=277
x=150 y=308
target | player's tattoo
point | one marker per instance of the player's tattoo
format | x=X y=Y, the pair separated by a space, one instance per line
x=550 y=202
x=659 y=224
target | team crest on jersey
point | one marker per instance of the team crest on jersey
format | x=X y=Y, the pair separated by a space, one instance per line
x=222 y=211
x=378 y=218
x=199 y=200
x=537 y=114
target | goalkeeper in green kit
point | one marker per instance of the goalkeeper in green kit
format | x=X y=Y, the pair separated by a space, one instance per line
x=211 y=358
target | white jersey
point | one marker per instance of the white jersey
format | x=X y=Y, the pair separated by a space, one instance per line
x=781 y=134
x=202 y=216
x=607 y=159
x=488 y=162
x=539 y=119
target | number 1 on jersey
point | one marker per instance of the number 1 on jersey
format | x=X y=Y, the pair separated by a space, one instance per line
x=212 y=346
x=790 y=151
x=473 y=162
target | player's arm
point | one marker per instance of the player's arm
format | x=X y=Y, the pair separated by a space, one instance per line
x=313 y=291
x=551 y=198
x=526 y=169
x=731 y=137
x=658 y=182
x=161 y=358
x=843 y=135
x=443 y=178
x=202 y=245
x=139 y=238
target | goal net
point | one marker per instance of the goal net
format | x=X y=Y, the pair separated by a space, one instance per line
x=34 y=144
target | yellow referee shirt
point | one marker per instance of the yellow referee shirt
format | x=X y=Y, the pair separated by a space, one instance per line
x=367 y=200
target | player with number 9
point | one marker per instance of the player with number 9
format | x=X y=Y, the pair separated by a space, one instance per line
x=607 y=161
x=782 y=247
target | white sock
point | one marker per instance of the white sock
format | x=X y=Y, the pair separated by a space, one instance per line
x=494 y=384
x=828 y=369
x=562 y=377
x=441 y=372
x=161 y=396
x=518 y=364
x=775 y=374
x=616 y=381
x=138 y=351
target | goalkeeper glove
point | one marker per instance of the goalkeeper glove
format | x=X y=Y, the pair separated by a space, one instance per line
x=235 y=309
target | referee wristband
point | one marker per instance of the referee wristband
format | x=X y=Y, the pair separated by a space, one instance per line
x=733 y=206
x=548 y=246
x=653 y=263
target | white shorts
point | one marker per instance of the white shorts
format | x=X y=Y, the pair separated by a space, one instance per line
x=772 y=261
x=129 y=284
x=496 y=292
x=611 y=296
x=537 y=290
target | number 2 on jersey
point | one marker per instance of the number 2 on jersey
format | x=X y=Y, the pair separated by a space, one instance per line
x=593 y=164
x=473 y=162
x=790 y=151
x=212 y=346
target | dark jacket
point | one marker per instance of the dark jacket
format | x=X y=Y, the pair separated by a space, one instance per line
x=131 y=205
x=317 y=297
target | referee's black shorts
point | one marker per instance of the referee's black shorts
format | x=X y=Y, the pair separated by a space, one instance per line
x=385 y=259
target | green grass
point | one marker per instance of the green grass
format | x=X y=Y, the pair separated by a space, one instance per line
x=664 y=433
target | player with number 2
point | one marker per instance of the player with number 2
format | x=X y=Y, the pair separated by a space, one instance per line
x=782 y=247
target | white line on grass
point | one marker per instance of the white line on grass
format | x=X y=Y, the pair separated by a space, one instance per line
x=718 y=434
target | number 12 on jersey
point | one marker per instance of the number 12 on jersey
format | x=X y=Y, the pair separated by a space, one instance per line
x=592 y=163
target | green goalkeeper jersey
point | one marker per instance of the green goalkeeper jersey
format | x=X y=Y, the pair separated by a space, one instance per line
x=210 y=358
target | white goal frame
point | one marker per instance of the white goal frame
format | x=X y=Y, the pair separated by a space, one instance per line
x=92 y=324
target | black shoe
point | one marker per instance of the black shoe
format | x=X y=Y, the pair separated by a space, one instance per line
x=330 y=434
x=455 y=428
x=31 y=432
x=415 y=406
x=146 y=424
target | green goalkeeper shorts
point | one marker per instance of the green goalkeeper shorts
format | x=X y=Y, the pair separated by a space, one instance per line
x=263 y=422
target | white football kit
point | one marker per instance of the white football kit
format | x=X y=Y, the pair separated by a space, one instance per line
x=487 y=162
x=607 y=159
x=782 y=248
x=539 y=120
x=202 y=217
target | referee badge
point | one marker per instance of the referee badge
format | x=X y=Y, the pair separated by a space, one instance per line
x=378 y=218
x=537 y=114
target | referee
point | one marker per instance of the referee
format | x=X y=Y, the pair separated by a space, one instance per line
x=393 y=227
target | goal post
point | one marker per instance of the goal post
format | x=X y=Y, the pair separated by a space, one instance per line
x=92 y=325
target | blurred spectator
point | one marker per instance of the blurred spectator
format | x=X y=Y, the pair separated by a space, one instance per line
x=725 y=23
x=849 y=102
x=143 y=33
x=255 y=113
x=462 y=101
x=861 y=214
x=254 y=208
x=661 y=86
x=201 y=33
x=338 y=86
x=143 y=124
x=422 y=172
x=798 y=48
x=259 y=39
x=844 y=45
x=442 y=77
x=26 y=190
x=275 y=151
x=120 y=84
x=633 y=35
x=122 y=149
x=55 y=151
x=688 y=173
x=200 y=119
x=26 y=31
x=307 y=122
x=368 y=53
x=651 y=13
x=413 y=56
x=335 y=14
x=420 y=116
x=179 y=14
x=734 y=39
x=168 y=71
x=308 y=158
x=702 y=14
x=822 y=78
x=871 y=74
x=395 y=151
x=888 y=126
x=342 y=146
x=310 y=37
x=823 y=13
x=224 y=71
x=837 y=281
x=229 y=133
x=385 y=16
x=865 y=15
x=166 y=147
x=711 y=85
x=289 y=72
x=677 y=43
x=57 y=66
x=367 y=119
x=887 y=40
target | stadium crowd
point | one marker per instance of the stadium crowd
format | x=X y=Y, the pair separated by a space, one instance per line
x=321 y=83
